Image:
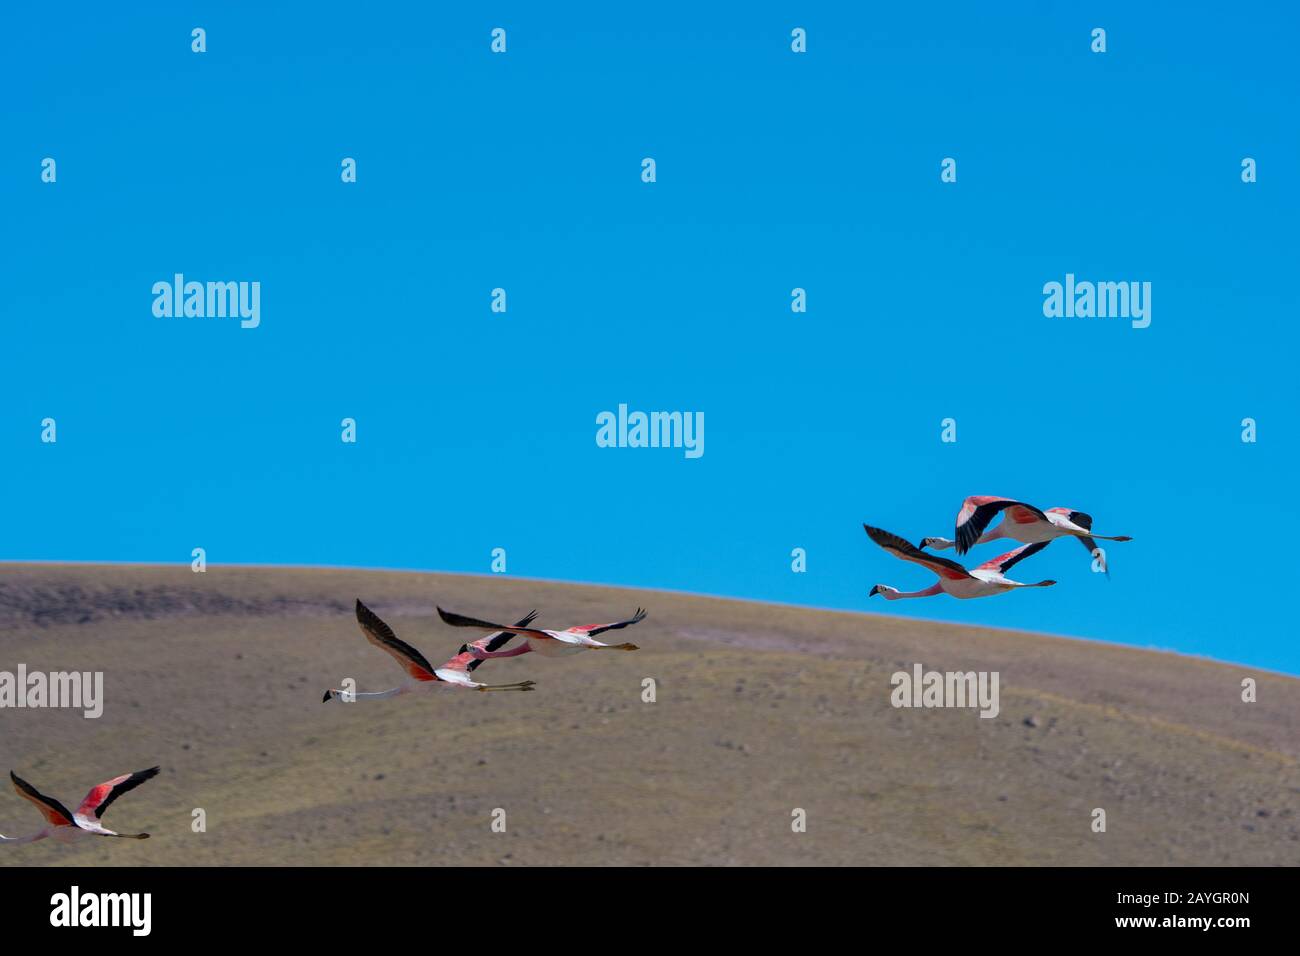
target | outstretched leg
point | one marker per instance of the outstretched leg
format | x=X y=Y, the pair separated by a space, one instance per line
x=625 y=646
x=522 y=685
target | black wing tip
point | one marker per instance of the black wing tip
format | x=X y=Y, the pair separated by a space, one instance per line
x=147 y=774
x=525 y=620
x=886 y=539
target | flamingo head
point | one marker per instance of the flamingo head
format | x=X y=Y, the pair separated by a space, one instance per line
x=882 y=589
x=938 y=544
x=330 y=695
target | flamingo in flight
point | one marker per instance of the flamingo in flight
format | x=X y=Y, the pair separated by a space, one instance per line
x=1022 y=523
x=68 y=827
x=986 y=580
x=454 y=673
x=546 y=643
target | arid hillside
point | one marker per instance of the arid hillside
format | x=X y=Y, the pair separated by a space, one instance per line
x=760 y=710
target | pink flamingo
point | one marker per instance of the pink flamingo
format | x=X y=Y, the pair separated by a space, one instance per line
x=547 y=643
x=67 y=827
x=1022 y=523
x=986 y=580
x=454 y=673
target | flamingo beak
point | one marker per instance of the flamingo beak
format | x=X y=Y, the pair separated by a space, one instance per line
x=874 y=591
x=463 y=649
x=326 y=698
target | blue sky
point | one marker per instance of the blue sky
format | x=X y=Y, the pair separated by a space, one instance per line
x=775 y=170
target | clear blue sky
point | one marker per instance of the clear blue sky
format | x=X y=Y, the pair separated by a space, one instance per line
x=775 y=170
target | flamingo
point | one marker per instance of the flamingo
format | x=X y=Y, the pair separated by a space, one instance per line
x=986 y=580
x=69 y=827
x=455 y=672
x=1022 y=523
x=547 y=643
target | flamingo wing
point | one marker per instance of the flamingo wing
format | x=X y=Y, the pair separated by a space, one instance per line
x=460 y=620
x=465 y=662
x=908 y=552
x=494 y=641
x=490 y=643
x=381 y=635
x=978 y=511
x=1080 y=518
x=1005 y=562
x=55 y=813
x=591 y=630
x=100 y=798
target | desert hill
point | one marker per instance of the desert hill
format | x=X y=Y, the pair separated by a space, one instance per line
x=760 y=709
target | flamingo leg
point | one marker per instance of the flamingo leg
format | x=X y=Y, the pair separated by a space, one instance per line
x=522 y=685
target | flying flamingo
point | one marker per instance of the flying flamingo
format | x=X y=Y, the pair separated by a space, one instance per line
x=986 y=580
x=547 y=643
x=1022 y=523
x=69 y=827
x=455 y=672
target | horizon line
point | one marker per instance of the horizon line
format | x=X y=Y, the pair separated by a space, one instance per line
x=1151 y=649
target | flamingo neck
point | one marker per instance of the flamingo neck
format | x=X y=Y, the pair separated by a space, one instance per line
x=899 y=595
x=380 y=694
x=523 y=648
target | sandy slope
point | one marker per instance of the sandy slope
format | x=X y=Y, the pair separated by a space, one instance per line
x=761 y=709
